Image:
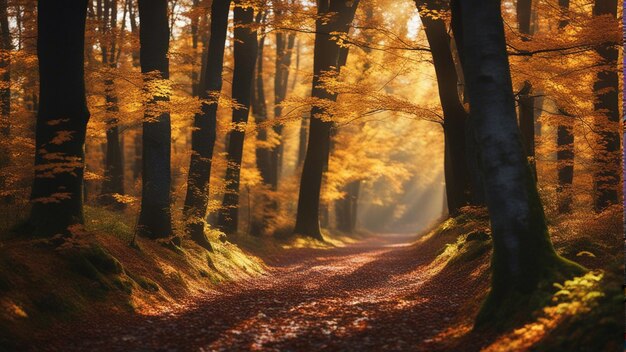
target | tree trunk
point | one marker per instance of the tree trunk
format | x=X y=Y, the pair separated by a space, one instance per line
x=264 y=160
x=155 y=219
x=245 y=51
x=302 y=140
x=477 y=187
x=454 y=115
x=113 y=162
x=326 y=58
x=565 y=145
x=524 y=262
x=607 y=159
x=62 y=118
x=526 y=100
x=205 y=125
x=346 y=208
x=284 y=52
x=5 y=92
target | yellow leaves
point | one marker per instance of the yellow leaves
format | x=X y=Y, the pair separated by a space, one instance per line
x=62 y=137
x=125 y=199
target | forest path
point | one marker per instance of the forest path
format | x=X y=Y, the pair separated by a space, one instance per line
x=377 y=294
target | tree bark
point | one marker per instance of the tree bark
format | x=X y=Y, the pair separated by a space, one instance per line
x=326 y=59
x=454 y=115
x=606 y=87
x=155 y=219
x=205 y=126
x=62 y=118
x=524 y=261
x=5 y=92
x=113 y=162
x=284 y=52
x=526 y=100
x=245 y=50
x=565 y=145
x=266 y=206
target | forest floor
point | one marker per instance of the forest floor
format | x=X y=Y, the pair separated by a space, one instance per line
x=377 y=294
x=385 y=292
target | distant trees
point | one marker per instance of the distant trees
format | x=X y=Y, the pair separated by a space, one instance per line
x=113 y=182
x=523 y=257
x=57 y=201
x=326 y=61
x=5 y=89
x=155 y=220
x=205 y=125
x=565 y=143
x=606 y=89
x=245 y=54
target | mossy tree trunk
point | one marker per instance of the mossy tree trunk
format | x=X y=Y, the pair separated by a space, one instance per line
x=155 y=219
x=245 y=50
x=62 y=118
x=205 y=126
x=524 y=263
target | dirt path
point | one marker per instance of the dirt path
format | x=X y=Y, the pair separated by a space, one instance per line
x=379 y=294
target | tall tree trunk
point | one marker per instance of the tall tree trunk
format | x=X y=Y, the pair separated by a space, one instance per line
x=477 y=187
x=245 y=51
x=155 y=220
x=195 y=20
x=524 y=261
x=114 y=162
x=62 y=118
x=607 y=159
x=454 y=115
x=205 y=126
x=263 y=153
x=565 y=144
x=137 y=139
x=284 y=52
x=326 y=59
x=5 y=90
x=526 y=100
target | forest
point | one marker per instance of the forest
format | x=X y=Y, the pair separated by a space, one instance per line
x=297 y=175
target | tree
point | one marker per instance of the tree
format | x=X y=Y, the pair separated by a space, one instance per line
x=454 y=114
x=245 y=52
x=5 y=88
x=155 y=216
x=524 y=262
x=114 y=162
x=606 y=89
x=205 y=124
x=263 y=151
x=526 y=100
x=326 y=61
x=284 y=51
x=565 y=144
x=57 y=201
